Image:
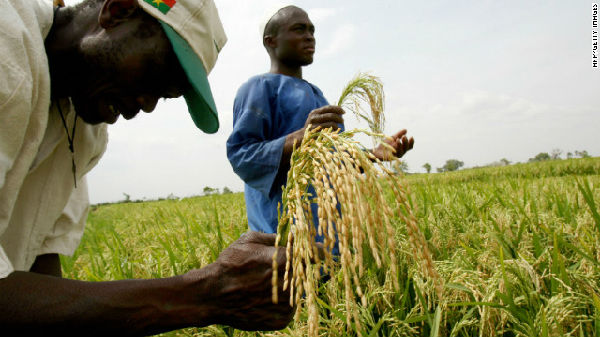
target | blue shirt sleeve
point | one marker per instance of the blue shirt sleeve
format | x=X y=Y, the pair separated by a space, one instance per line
x=254 y=156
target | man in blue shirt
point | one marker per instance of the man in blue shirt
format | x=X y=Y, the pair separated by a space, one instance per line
x=271 y=112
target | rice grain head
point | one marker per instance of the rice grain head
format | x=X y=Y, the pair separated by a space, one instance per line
x=348 y=188
x=348 y=183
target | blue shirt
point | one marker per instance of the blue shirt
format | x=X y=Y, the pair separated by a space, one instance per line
x=266 y=109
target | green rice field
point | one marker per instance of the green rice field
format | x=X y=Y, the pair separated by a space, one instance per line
x=517 y=248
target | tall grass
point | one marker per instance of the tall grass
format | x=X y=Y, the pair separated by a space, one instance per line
x=518 y=248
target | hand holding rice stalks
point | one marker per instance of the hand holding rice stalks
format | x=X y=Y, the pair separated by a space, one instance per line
x=349 y=190
x=347 y=183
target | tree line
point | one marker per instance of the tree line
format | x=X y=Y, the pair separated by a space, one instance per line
x=455 y=164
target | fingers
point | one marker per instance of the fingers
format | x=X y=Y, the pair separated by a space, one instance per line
x=399 y=134
x=246 y=267
x=281 y=259
x=335 y=109
x=258 y=237
x=405 y=145
x=326 y=117
x=401 y=143
x=408 y=143
x=319 y=119
x=334 y=126
x=266 y=253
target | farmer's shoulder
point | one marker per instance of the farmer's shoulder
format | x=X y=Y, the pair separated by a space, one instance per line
x=265 y=81
x=259 y=85
x=315 y=89
x=23 y=60
x=23 y=28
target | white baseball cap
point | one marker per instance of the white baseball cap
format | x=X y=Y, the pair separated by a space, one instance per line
x=197 y=37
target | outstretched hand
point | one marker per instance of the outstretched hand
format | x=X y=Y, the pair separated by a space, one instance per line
x=399 y=144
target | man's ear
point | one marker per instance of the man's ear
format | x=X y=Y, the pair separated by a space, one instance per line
x=269 y=41
x=114 y=12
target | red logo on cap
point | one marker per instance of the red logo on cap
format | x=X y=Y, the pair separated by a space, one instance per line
x=162 y=5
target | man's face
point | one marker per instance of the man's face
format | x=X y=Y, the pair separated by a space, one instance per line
x=128 y=70
x=295 y=39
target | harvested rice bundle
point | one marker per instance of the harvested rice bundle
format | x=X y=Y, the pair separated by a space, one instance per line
x=348 y=185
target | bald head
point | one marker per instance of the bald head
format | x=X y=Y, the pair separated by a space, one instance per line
x=279 y=18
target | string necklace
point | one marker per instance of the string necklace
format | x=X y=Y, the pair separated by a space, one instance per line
x=69 y=139
x=59 y=4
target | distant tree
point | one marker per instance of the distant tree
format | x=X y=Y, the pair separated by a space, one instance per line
x=569 y=155
x=172 y=196
x=399 y=166
x=439 y=169
x=427 y=167
x=403 y=166
x=542 y=156
x=555 y=154
x=451 y=165
x=505 y=161
x=582 y=154
x=209 y=190
x=501 y=162
x=127 y=197
x=226 y=190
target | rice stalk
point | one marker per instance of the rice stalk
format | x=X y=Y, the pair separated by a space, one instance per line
x=364 y=97
x=348 y=185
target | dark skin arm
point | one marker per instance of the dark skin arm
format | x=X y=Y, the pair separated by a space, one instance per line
x=47 y=264
x=234 y=290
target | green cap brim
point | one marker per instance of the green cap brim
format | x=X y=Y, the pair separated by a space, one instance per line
x=200 y=102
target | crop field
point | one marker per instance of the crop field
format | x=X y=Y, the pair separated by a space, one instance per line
x=517 y=249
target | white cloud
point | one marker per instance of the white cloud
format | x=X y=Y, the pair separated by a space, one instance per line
x=318 y=15
x=480 y=127
x=501 y=107
x=342 y=39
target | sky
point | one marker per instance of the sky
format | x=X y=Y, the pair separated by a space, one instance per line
x=475 y=81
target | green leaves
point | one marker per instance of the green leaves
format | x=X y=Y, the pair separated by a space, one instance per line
x=517 y=247
x=588 y=195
